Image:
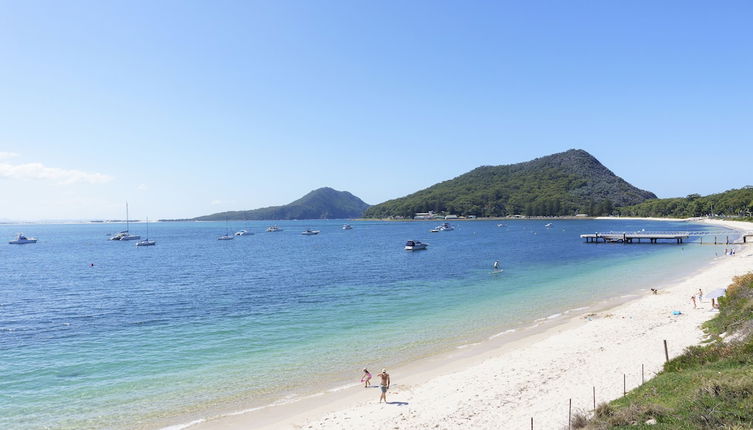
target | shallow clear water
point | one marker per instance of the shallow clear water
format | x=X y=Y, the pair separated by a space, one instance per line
x=149 y=335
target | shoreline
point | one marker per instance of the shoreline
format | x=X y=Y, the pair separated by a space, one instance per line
x=351 y=405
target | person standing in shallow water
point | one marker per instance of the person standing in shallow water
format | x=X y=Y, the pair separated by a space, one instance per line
x=384 y=385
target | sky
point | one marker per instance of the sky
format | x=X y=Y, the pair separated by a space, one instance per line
x=185 y=108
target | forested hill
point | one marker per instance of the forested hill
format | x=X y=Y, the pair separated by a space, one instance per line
x=737 y=202
x=323 y=203
x=560 y=184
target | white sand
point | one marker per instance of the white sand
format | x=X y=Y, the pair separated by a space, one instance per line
x=535 y=377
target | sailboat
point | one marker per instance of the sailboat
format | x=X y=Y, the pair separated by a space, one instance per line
x=227 y=235
x=146 y=242
x=125 y=235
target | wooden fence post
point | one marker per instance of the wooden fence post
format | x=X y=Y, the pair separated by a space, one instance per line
x=570 y=415
x=666 y=351
x=643 y=381
x=594 y=397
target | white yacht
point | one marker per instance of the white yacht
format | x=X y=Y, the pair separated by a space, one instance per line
x=446 y=227
x=347 y=227
x=146 y=242
x=548 y=225
x=273 y=229
x=415 y=245
x=243 y=233
x=125 y=234
x=22 y=240
x=227 y=235
x=309 y=232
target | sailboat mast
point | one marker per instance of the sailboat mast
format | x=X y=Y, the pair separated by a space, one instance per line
x=127 y=229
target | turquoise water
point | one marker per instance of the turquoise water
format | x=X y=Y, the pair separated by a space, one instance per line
x=148 y=336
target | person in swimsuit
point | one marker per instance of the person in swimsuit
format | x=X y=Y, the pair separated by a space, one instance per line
x=384 y=384
x=366 y=378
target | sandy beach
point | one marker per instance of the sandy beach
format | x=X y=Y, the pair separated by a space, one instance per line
x=533 y=376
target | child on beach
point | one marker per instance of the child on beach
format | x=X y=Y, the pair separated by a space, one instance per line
x=366 y=378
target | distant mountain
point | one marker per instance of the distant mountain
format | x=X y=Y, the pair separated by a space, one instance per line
x=323 y=203
x=560 y=184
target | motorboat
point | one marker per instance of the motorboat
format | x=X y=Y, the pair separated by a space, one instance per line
x=415 y=245
x=446 y=227
x=309 y=232
x=273 y=229
x=243 y=233
x=125 y=234
x=146 y=242
x=435 y=230
x=347 y=227
x=22 y=240
x=548 y=225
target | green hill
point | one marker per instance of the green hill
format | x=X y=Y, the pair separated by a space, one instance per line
x=323 y=203
x=738 y=202
x=560 y=184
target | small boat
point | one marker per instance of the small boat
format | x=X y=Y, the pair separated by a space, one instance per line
x=548 y=225
x=146 y=242
x=243 y=233
x=434 y=230
x=227 y=235
x=273 y=229
x=125 y=234
x=309 y=232
x=22 y=240
x=415 y=245
x=347 y=227
x=445 y=227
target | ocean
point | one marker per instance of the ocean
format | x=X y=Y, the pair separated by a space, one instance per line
x=98 y=334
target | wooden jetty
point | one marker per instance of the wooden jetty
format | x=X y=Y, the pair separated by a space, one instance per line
x=720 y=237
x=625 y=237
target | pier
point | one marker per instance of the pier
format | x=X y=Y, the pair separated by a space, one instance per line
x=719 y=237
x=625 y=237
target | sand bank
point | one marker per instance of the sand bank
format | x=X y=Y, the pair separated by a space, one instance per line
x=535 y=376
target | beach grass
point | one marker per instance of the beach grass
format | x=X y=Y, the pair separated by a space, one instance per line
x=707 y=387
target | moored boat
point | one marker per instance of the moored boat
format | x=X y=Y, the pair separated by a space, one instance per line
x=146 y=242
x=309 y=232
x=22 y=240
x=125 y=234
x=273 y=229
x=415 y=245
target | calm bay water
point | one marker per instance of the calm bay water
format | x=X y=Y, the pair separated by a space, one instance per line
x=153 y=335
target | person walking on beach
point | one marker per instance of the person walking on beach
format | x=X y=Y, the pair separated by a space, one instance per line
x=366 y=378
x=693 y=299
x=700 y=295
x=384 y=385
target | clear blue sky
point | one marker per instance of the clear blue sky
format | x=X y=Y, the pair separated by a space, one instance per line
x=186 y=108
